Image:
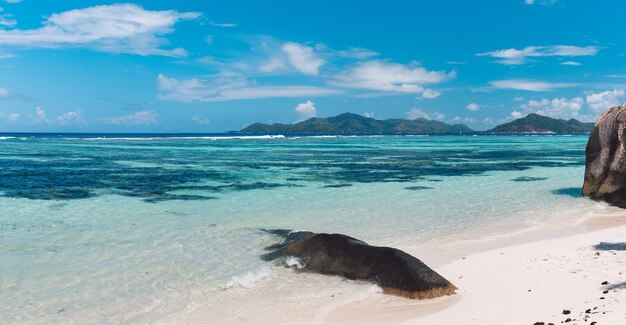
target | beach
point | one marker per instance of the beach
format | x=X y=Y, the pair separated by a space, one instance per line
x=545 y=275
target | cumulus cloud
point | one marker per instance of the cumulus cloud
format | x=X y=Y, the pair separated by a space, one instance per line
x=295 y=57
x=472 y=107
x=517 y=114
x=225 y=89
x=4 y=93
x=391 y=77
x=599 y=102
x=416 y=113
x=514 y=56
x=142 y=118
x=302 y=58
x=74 y=117
x=306 y=110
x=528 y=85
x=430 y=94
x=563 y=108
x=118 y=28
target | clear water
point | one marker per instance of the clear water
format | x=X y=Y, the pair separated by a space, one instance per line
x=104 y=229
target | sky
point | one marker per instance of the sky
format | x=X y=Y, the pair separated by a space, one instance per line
x=214 y=66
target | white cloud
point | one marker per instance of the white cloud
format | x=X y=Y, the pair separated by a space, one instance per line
x=571 y=63
x=518 y=99
x=472 y=107
x=298 y=57
x=71 y=118
x=368 y=114
x=225 y=89
x=138 y=118
x=4 y=93
x=529 y=85
x=438 y=116
x=12 y=1
x=74 y=117
x=516 y=114
x=306 y=110
x=391 y=77
x=599 y=102
x=302 y=58
x=208 y=39
x=430 y=94
x=541 y=2
x=7 y=20
x=357 y=53
x=416 y=113
x=118 y=28
x=563 y=108
x=469 y=120
x=514 y=56
x=201 y=120
x=12 y=117
x=222 y=24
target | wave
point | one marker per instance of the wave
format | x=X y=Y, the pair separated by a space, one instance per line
x=249 y=279
x=6 y=138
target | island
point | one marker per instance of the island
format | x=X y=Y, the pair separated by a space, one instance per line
x=355 y=124
x=535 y=123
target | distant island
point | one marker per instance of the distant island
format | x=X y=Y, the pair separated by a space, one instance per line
x=535 y=123
x=355 y=124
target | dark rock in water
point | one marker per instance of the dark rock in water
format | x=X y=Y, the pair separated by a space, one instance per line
x=605 y=174
x=395 y=271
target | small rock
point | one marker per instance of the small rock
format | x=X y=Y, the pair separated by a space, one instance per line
x=594 y=323
x=566 y=311
x=588 y=311
x=605 y=291
x=539 y=323
x=605 y=283
x=568 y=320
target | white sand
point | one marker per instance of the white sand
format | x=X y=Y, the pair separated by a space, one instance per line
x=520 y=283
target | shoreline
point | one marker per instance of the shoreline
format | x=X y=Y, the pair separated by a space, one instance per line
x=510 y=270
x=461 y=262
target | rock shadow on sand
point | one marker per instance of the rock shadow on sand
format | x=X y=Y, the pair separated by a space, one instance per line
x=569 y=191
x=604 y=246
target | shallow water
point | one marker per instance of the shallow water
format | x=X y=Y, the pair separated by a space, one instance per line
x=97 y=229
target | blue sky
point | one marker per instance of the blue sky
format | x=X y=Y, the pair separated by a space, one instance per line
x=213 y=66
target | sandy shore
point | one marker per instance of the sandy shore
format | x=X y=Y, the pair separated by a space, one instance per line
x=532 y=276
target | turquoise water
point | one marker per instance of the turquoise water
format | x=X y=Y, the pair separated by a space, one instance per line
x=96 y=229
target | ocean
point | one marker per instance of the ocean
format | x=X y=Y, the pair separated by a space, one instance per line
x=109 y=228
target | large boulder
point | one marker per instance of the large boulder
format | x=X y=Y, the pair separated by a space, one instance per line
x=605 y=174
x=395 y=271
